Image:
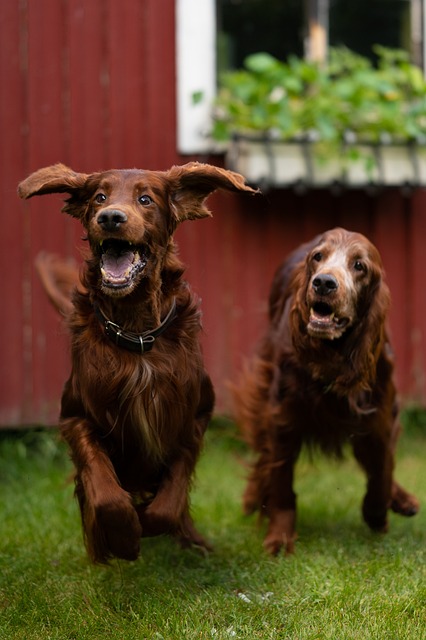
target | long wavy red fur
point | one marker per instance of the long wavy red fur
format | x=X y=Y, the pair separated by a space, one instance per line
x=301 y=389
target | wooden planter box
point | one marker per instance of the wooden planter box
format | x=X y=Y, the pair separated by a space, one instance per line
x=285 y=164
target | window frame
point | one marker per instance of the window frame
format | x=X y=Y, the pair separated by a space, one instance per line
x=195 y=73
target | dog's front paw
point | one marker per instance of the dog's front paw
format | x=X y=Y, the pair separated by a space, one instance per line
x=113 y=530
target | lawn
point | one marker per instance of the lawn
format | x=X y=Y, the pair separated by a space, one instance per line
x=343 y=582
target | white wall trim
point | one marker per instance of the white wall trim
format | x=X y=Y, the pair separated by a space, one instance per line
x=195 y=71
x=423 y=35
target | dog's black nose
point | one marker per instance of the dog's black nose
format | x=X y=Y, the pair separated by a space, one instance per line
x=111 y=219
x=324 y=283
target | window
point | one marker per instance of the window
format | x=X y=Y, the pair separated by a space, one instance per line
x=249 y=26
x=213 y=35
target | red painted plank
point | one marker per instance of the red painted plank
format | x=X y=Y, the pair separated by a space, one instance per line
x=46 y=143
x=88 y=86
x=129 y=86
x=391 y=217
x=13 y=375
x=160 y=100
x=416 y=334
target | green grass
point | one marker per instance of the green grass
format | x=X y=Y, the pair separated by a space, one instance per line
x=343 y=582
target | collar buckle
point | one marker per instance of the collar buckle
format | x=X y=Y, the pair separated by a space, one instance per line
x=136 y=342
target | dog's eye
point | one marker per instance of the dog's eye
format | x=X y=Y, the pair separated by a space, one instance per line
x=145 y=200
x=317 y=256
x=359 y=266
x=100 y=198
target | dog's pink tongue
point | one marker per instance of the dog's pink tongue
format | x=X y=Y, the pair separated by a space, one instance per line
x=117 y=266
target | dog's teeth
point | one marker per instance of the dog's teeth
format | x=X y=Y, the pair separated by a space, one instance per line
x=101 y=243
x=329 y=317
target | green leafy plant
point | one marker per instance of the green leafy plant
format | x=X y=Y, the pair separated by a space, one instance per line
x=344 y=582
x=347 y=100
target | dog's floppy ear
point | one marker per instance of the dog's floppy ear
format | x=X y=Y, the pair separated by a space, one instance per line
x=57 y=178
x=191 y=184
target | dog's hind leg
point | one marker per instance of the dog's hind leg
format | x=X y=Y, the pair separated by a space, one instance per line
x=188 y=536
x=403 y=502
x=375 y=454
x=169 y=510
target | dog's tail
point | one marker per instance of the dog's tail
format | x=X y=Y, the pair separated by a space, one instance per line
x=59 y=278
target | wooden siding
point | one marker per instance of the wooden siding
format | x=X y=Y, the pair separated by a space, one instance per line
x=92 y=84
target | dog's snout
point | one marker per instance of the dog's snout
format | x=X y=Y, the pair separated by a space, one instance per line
x=111 y=219
x=324 y=284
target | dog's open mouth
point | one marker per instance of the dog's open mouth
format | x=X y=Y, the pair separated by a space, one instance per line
x=324 y=322
x=120 y=263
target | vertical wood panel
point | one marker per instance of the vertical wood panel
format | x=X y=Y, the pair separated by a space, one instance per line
x=416 y=333
x=129 y=86
x=159 y=61
x=13 y=231
x=88 y=86
x=47 y=126
x=390 y=235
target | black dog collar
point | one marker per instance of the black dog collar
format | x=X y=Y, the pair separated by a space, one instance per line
x=137 y=342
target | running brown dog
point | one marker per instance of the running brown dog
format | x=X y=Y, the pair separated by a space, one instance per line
x=138 y=400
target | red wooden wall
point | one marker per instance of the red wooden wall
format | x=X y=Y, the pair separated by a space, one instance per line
x=92 y=84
